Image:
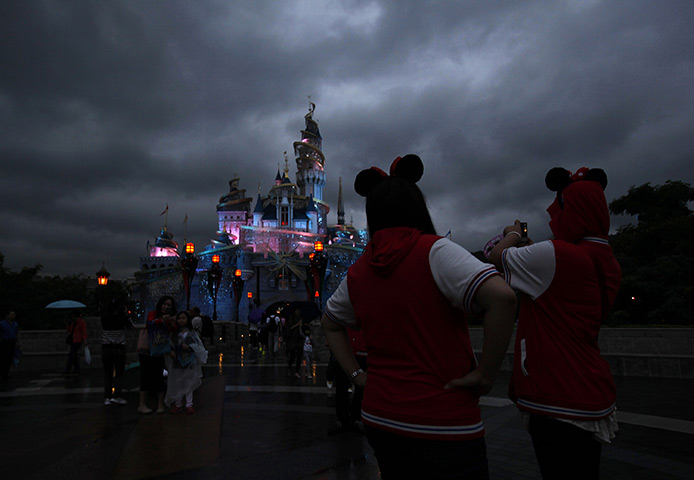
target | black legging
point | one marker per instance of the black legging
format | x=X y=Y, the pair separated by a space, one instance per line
x=295 y=355
x=113 y=359
x=563 y=450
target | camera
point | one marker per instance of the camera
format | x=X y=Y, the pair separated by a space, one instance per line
x=524 y=229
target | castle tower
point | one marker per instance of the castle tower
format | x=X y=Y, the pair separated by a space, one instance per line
x=310 y=163
x=233 y=211
x=310 y=177
x=340 y=205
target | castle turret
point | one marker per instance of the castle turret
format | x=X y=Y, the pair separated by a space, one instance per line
x=310 y=162
x=233 y=211
x=340 y=205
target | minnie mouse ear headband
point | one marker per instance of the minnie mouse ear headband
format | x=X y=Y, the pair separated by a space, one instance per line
x=409 y=167
x=557 y=179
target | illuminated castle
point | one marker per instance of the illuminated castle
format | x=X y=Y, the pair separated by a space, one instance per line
x=267 y=238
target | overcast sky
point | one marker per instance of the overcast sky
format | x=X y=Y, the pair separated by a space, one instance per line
x=111 y=110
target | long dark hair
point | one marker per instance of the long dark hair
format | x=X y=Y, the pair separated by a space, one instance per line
x=395 y=200
x=161 y=302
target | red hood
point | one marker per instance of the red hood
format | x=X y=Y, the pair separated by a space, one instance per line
x=584 y=214
x=389 y=247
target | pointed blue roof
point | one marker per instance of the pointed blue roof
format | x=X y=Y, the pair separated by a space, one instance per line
x=258 y=206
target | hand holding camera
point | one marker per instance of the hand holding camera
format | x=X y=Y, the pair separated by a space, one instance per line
x=521 y=230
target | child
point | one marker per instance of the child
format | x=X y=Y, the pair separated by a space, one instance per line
x=184 y=365
x=308 y=348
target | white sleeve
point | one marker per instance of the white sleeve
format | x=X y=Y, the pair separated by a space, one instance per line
x=339 y=308
x=530 y=269
x=457 y=273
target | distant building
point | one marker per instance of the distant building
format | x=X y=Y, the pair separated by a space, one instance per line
x=268 y=239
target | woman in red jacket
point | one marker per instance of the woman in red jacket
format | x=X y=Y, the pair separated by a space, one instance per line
x=560 y=382
x=409 y=293
x=77 y=335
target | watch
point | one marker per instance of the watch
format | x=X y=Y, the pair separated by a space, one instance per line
x=357 y=372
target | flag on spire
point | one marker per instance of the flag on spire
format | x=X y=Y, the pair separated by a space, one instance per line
x=165 y=210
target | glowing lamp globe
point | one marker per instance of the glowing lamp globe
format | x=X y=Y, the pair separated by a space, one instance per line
x=250 y=294
x=190 y=248
x=102 y=276
x=237 y=273
x=215 y=258
x=318 y=246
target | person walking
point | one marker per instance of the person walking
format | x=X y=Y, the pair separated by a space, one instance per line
x=560 y=382
x=409 y=293
x=273 y=324
x=294 y=341
x=114 y=322
x=77 y=335
x=9 y=331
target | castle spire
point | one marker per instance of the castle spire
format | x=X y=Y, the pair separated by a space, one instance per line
x=340 y=205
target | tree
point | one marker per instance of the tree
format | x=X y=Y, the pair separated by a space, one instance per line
x=28 y=293
x=655 y=255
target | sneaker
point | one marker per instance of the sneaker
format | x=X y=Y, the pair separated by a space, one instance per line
x=190 y=410
x=107 y=401
x=329 y=384
x=175 y=410
x=144 y=410
x=119 y=401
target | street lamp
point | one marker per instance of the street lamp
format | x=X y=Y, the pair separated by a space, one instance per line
x=214 y=277
x=101 y=280
x=102 y=276
x=317 y=265
x=189 y=263
x=237 y=288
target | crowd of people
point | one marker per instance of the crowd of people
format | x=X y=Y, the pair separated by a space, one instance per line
x=396 y=327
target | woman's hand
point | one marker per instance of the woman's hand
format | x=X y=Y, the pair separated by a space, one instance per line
x=475 y=381
x=360 y=380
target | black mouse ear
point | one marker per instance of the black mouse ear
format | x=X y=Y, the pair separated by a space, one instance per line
x=557 y=178
x=597 y=175
x=367 y=179
x=409 y=167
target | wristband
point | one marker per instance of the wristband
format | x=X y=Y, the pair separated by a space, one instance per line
x=513 y=232
x=357 y=372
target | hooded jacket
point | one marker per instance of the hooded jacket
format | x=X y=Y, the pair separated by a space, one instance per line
x=416 y=339
x=569 y=285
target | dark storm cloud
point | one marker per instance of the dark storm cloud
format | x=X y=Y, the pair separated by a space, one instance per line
x=112 y=110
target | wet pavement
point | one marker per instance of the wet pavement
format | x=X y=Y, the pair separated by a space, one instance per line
x=254 y=421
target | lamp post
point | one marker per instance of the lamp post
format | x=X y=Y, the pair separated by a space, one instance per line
x=101 y=280
x=317 y=265
x=237 y=287
x=214 y=277
x=189 y=262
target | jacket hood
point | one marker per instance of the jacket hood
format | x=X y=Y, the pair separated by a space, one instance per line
x=584 y=212
x=389 y=247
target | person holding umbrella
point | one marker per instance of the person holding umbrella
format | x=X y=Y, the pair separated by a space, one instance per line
x=77 y=335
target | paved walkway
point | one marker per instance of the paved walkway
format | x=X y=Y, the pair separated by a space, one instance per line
x=253 y=421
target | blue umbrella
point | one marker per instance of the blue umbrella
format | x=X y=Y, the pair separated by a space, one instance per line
x=62 y=304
